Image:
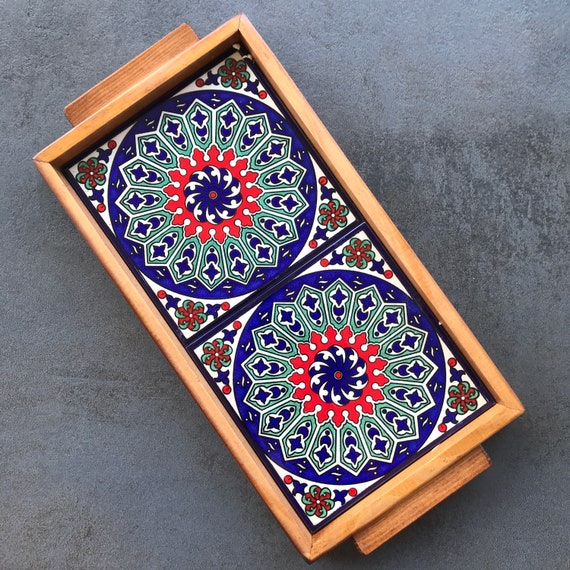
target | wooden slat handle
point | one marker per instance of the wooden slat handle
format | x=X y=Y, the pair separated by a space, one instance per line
x=131 y=73
x=413 y=507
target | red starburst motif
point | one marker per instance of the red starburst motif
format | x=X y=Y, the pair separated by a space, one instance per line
x=338 y=375
x=212 y=194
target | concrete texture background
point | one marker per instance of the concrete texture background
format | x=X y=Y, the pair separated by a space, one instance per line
x=456 y=114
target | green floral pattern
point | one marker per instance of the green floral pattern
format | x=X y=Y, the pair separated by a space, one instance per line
x=318 y=501
x=190 y=315
x=216 y=354
x=463 y=397
x=91 y=173
x=333 y=215
x=233 y=73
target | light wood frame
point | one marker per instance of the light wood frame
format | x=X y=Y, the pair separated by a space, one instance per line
x=416 y=488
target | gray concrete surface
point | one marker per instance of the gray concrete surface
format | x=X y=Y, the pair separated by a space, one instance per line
x=457 y=116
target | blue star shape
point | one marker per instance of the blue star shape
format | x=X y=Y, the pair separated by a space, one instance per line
x=254 y=128
x=211 y=272
x=182 y=266
x=262 y=395
x=229 y=118
x=402 y=425
x=353 y=455
x=323 y=454
x=260 y=367
x=367 y=302
x=199 y=117
x=310 y=302
x=158 y=251
x=240 y=267
x=142 y=228
x=264 y=252
x=296 y=443
x=135 y=200
x=274 y=422
x=276 y=148
x=172 y=127
x=268 y=338
x=281 y=230
x=417 y=369
x=414 y=398
x=288 y=174
x=338 y=296
x=150 y=147
x=289 y=203
x=139 y=172
x=380 y=445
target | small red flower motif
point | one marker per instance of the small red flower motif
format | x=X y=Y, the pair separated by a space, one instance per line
x=91 y=173
x=333 y=215
x=358 y=253
x=233 y=73
x=216 y=354
x=190 y=315
x=463 y=398
x=318 y=501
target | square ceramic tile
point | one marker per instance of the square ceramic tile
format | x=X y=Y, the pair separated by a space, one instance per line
x=339 y=377
x=211 y=193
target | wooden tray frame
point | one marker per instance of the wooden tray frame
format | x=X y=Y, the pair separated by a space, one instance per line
x=424 y=483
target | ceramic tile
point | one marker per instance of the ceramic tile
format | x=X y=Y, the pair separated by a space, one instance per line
x=339 y=377
x=211 y=194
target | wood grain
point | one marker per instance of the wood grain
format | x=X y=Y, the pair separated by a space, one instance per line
x=117 y=100
x=414 y=506
x=135 y=71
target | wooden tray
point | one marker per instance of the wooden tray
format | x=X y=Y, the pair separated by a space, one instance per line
x=336 y=371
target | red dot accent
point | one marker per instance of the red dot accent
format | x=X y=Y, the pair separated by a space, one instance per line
x=288 y=479
x=452 y=362
x=111 y=144
x=101 y=208
x=322 y=180
x=237 y=325
x=161 y=294
x=324 y=262
x=262 y=94
x=199 y=83
x=225 y=306
x=312 y=244
x=226 y=390
x=352 y=492
x=388 y=274
x=442 y=427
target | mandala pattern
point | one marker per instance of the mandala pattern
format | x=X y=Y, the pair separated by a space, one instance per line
x=212 y=194
x=340 y=377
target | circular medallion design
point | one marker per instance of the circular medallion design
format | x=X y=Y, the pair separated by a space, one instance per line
x=212 y=202
x=339 y=376
x=212 y=194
